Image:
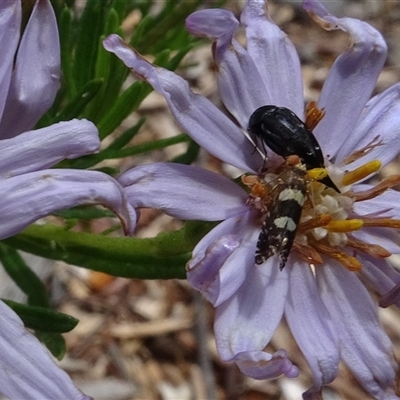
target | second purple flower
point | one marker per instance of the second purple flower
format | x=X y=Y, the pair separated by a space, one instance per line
x=341 y=238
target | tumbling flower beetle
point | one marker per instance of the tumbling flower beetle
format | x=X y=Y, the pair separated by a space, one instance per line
x=284 y=133
x=283 y=215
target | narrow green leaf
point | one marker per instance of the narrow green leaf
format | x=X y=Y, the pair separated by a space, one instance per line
x=91 y=27
x=43 y=319
x=160 y=29
x=112 y=171
x=126 y=103
x=23 y=276
x=114 y=74
x=174 y=62
x=126 y=136
x=116 y=77
x=65 y=47
x=149 y=146
x=54 y=342
x=140 y=30
x=76 y=106
x=102 y=72
x=107 y=154
x=162 y=58
x=120 y=7
x=112 y=23
x=162 y=257
x=56 y=7
x=190 y=155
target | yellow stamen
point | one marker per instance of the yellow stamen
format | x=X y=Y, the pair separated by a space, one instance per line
x=373 y=250
x=313 y=115
x=382 y=222
x=361 y=172
x=345 y=225
x=378 y=189
x=316 y=174
x=349 y=262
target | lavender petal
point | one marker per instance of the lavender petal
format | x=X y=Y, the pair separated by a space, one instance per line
x=10 y=25
x=240 y=84
x=385 y=237
x=245 y=323
x=218 y=278
x=366 y=348
x=27 y=370
x=43 y=148
x=26 y=198
x=386 y=203
x=351 y=80
x=275 y=58
x=184 y=192
x=203 y=275
x=383 y=278
x=313 y=330
x=262 y=365
x=36 y=76
x=379 y=120
x=207 y=125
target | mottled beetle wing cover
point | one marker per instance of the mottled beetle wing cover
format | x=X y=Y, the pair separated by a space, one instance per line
x=283 y=216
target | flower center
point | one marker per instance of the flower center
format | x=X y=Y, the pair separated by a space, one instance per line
x=328 y=220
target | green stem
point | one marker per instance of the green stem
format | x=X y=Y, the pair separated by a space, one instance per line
x=162 y=257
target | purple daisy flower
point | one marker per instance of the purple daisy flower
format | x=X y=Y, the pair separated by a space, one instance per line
x=341 y=237
x=29 y=80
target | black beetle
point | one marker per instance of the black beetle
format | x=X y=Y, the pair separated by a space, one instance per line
x=285 y=134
